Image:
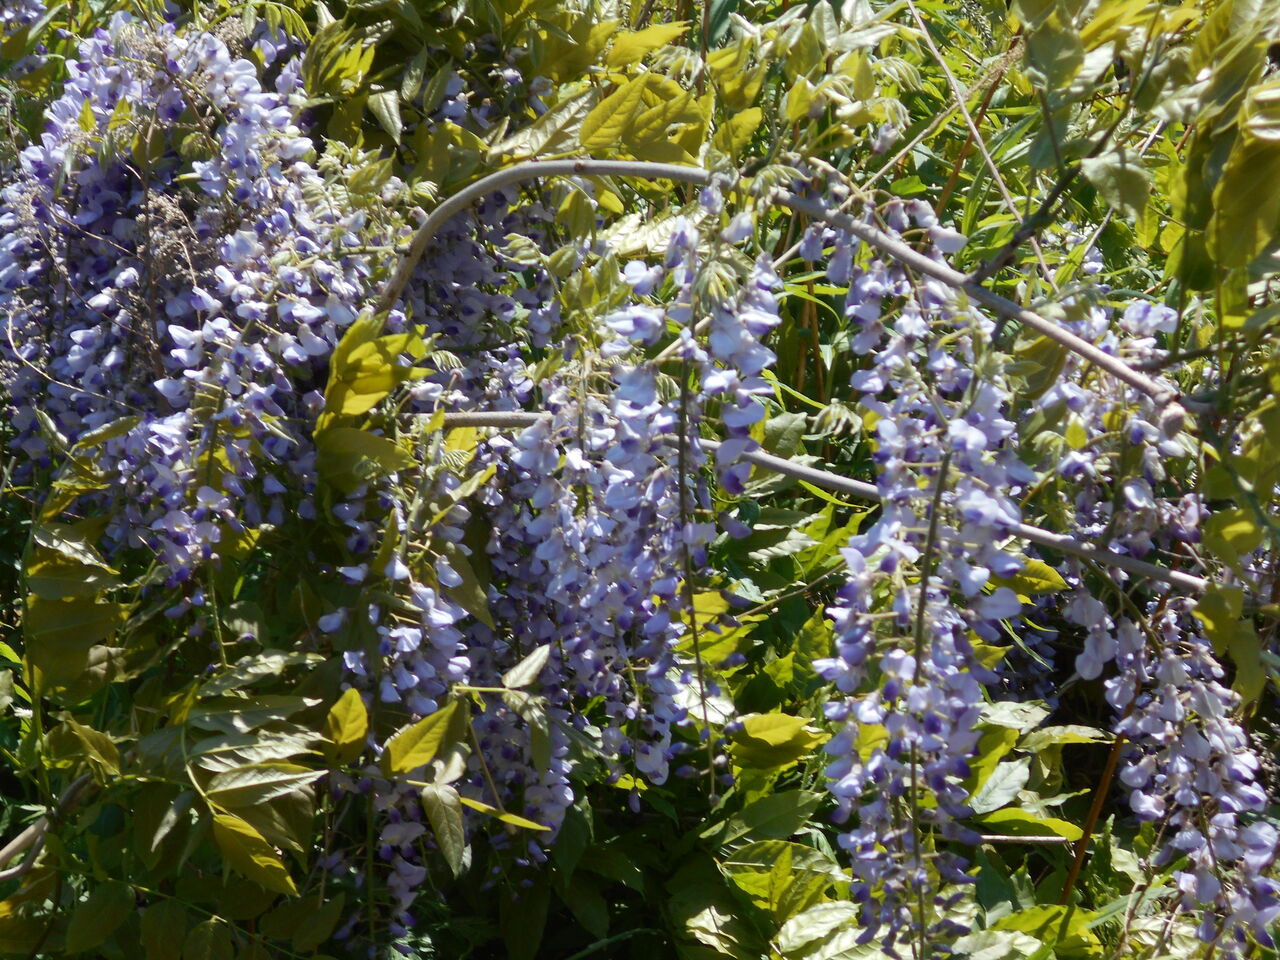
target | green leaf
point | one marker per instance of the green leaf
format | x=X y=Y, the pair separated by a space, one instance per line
x=1121 y=180
x=610 y=119
x=243 y=714
x=1054 y=52
x=523 y=918
x=306 y=922
x=53 y=576
x=1035 y=577
x=210 y=940
x=348 y=458
x=385 y=106
x=824 y=930
x=97 y=746
x=1046 y=737
x=1232 y=533
x=1245 y=219
x=346 y=727
x=527 y=670
x=997 y=945
x=417 y=744
x=555 y=131
x=61 y=632
x=1014 y=715
x=257 y=783
x=443 y=808
x=1002 y=787
x=248 y=852
x=774 y=817
x=588 y=906
x=164 y=924
x=1021 y=823
x=99 y=916
x=1219 y=611
x=631 y=47
x=781 y=877
x=1064 y=928
x=512 y=818
x=21 y=935
x=772 y=741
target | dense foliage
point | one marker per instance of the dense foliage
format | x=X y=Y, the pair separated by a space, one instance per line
x=555 y=479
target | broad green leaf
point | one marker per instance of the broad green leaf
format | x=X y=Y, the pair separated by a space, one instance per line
x=99 y=916
x=232 y=714
x=774 y=817
x=248 y=853
x=1015 y=715
x=630 y=48
x=348 y=457
x=784 y=878
x=61 y=632
x=417 y=744
x=526 y=671
x=555 y=131
x=802 y=934
x=1054 y=52
x=53 y=576
x=1219 y=611
x=1034 y=578
x=1002 y=786
x=258 y=783
x=998 y=945
x=306 y=922
x=1232 y=533
x=385 y=106
x=209 y=940
x=443 y=808
x=1021 y=823
x=610 y=119
x=1047 y=737
x=1121 y=180
x=98 y=748
x=1064 y=928
x=347 y=726
x=254 y=668
x=738 y=130
x=1245 y=219
x=21 y=935
x=164 y=924
x=773 y=740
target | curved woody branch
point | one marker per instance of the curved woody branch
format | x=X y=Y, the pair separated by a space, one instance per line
x=1163 y=395
x=865 y=491
x=31 y=839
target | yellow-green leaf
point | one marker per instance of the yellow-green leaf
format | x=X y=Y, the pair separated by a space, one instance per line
x=346 y=726
x=610 y=120
x=247 y=852
x=512 y=818
x=773 y=740
x=417 y=744
x=1018 y=822
x=630 y=48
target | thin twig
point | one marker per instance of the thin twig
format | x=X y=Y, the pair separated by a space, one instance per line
x=976 y=135
x=865 y=491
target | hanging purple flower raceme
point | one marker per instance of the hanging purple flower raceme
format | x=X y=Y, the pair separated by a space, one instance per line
x=948 y=476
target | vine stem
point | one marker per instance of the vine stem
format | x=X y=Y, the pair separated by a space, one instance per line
x=32 y=838
x=896 y=249
x=1091 y=821
x=865 y=491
